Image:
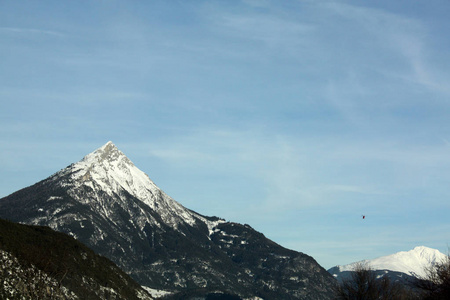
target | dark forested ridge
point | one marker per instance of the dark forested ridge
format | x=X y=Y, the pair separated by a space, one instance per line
x=39 y=263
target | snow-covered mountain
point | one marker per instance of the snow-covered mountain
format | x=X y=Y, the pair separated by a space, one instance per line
x=107 y=174
x=107 y=203
x=412 y=263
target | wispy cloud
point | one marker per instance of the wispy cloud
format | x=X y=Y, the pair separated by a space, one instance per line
x=272 y=30
x=402 y=38
x=31 y=31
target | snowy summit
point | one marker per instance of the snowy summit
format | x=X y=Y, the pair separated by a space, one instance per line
x=413 y=262
x=109 y=170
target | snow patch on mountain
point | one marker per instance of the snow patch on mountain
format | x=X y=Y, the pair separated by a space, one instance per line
x=413 y=262
x=157 y=293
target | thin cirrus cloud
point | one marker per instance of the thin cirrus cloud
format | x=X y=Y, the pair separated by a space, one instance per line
x=31 y=32
x=403 y=38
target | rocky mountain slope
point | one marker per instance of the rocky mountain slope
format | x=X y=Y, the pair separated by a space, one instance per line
x=39 y=263
x=107 y=203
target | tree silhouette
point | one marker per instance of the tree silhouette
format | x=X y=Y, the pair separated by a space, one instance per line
x=436 y=283
x=364 y=285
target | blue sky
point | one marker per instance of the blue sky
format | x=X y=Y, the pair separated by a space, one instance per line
x=296 y=117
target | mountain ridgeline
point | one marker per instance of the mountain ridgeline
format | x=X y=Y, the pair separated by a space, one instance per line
x=107 y=203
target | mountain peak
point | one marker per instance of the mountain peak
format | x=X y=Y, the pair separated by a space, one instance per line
x=109 y=146
x=108 y=152
x=108 y=170
x=412 y=262
x=422 y=250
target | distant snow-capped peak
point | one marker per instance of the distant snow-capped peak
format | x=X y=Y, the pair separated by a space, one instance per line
x=413 y=262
